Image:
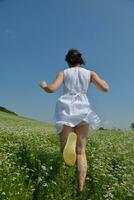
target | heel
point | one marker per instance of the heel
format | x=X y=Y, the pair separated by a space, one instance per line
x=69 y=152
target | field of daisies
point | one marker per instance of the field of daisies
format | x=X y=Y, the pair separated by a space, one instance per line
x=32 y=168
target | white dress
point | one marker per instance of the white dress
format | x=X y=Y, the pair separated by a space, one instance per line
x=73 y=107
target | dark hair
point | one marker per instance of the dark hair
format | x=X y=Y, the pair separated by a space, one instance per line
x=74 y=57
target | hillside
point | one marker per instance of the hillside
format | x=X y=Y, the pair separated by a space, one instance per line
x=32 y=167
x=10 y=122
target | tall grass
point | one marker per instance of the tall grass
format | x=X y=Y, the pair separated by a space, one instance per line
x=32 y=168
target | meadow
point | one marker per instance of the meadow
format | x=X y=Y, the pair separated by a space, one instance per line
x=32 y=168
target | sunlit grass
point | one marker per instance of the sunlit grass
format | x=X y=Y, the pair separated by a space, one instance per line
x=31 y=165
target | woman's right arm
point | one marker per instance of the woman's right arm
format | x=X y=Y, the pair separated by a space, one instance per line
x=101 y=84
x=55 y=85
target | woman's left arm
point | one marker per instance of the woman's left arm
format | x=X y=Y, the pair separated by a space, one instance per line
x=55 y=85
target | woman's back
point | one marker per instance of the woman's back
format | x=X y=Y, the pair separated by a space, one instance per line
x=76 y=80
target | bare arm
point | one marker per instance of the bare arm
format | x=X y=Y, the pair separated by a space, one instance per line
x=55 y=85
x=101 y=84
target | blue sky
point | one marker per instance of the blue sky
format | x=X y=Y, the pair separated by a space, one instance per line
x=36 y=35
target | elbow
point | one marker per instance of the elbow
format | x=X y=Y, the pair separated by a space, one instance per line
x=51 y=89
x=106 y=88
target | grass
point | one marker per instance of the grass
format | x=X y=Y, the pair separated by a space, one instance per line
x=32 y=168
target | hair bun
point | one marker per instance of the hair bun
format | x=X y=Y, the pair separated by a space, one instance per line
x=74 y=57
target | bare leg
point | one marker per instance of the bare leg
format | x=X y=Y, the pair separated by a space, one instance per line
x=64 y=135
x=82 y=133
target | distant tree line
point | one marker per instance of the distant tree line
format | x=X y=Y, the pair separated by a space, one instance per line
x=102 y=128
x=132 y=126
x=6 y=110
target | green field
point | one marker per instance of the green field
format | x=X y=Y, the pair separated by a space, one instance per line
x=31 y=165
